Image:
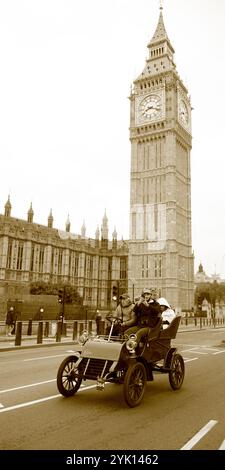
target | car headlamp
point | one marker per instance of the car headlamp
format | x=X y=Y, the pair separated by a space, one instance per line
x=131 y=343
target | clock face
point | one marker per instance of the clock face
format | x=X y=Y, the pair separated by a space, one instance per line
x=183 y=112
x=150 y=108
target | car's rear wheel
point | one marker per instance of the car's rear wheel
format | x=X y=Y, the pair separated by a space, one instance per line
x=68 y=381
x=176 y=374
x=135 y=384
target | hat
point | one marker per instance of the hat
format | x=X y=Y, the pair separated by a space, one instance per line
x=146 y=291
x=154 y=290
x=163 y=302
x=124 y=296
x=11 y=308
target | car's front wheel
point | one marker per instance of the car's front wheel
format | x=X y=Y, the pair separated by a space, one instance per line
x=68 y=381
x=135 y=384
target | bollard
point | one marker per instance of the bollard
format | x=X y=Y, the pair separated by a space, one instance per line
x=75 y=324
x=40 y=332
x=29 y=328
x=90 y=327
x=81 y=329
x=195 y=321
x=102 y=327
x=46 y=329
x=200 y=323
x=59 y=331
x=64 y=329
x=18 y=333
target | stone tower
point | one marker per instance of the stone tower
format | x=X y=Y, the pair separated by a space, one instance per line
x=160 y=251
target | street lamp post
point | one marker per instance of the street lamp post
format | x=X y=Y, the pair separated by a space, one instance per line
x=133 y=284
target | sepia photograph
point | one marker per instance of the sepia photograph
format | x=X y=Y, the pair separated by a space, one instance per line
x=112 y=252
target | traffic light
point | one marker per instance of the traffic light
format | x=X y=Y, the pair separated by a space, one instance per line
x=115 y=292
x=60 y=296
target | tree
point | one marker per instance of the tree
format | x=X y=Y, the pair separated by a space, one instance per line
x=71 y=294
x=211 y=291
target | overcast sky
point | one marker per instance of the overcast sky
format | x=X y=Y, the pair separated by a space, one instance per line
x=66 y=67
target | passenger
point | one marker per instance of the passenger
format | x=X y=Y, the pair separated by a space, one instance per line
x=147 y=313
x=168 y=313
x=123 y=312
x=154 y=295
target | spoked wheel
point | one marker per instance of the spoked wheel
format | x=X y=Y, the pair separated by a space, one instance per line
x=68 y=381
x=134 y=384
x=176 y=375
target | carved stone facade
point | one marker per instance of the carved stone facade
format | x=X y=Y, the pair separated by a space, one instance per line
x=31 y=252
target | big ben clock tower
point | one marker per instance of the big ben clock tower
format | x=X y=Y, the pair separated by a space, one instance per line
x=160 y=251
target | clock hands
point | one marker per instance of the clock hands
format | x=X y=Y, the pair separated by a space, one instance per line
x=153 y=106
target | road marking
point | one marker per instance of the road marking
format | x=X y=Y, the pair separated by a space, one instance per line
x=31 y=385
x=41 y=400
x=222 y=447
x=1 y=405
x=220 y=352
x=26 y=386
x=42 y=357
x=197 y=437
x=194 y=350
x=189 y=360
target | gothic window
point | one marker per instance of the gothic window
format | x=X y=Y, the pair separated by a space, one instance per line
x=32 y=258
x=9 y=254
x=89 y=266
x=143 y=267
x=19 y=257
x=110 y=269
x=158 y=266
x=123 y=268
x=147 y=266
x=88 y=294
x=60 y=261
x=41 y=259
x=76 y=265
x=52 y=261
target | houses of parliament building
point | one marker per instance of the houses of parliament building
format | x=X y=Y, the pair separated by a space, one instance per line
x=159 y=250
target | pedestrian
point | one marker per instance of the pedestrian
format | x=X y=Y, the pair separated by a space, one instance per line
x=9 y=321
x=98 y=320
x=14 y=322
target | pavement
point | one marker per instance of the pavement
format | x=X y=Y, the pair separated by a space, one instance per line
x=7 y=343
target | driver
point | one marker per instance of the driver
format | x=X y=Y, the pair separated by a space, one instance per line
x=123 y=313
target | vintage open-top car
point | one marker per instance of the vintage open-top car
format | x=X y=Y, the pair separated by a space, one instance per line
x=119 y=359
